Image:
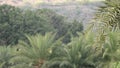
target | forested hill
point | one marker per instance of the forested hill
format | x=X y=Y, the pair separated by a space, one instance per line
x=80 y=12
x=72 y=9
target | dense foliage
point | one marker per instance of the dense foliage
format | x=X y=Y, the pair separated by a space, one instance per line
x=15 y=22
x=83 y=51
x=89 y=49
x=110 y=13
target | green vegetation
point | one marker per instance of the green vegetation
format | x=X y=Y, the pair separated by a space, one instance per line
x=82 y=51
x=43 y=39
x=110 y=14
x=15 y=23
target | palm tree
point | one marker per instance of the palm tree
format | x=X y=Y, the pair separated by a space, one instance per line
x=109 y=14
x=108 y=32
x=78 y=53
x=35 y=52
x=111 y=48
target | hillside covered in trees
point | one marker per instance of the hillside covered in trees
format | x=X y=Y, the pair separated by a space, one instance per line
x=55 y=35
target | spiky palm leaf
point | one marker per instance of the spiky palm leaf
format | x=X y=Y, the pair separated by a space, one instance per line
x=36 y=51
x=6 y=54
x=109 y=14
x=78 y=53
x=111 y=48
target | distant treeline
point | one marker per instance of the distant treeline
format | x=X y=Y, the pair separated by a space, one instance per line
x=16 y=22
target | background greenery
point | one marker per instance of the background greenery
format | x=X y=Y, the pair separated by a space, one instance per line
x=16 y=22
x=44 y=39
